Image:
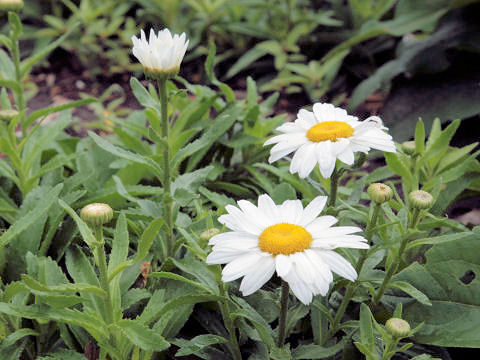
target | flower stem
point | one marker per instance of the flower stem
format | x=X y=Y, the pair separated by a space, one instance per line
x=21 y=104
x=394 y=267
x=391 y=271
x=333 y=187
x=282 y=322
x=227 y=320
x=358 y=267
x=167 y=198
x=99 y=253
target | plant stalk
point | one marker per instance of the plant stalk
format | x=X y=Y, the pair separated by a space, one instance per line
x=167 y=198
x=391 y=271
x=99 y=253
x=227 y=320
x=394 y=267
x=21 y=103
x=333 y=187
x=282 y=321
x=358 y=267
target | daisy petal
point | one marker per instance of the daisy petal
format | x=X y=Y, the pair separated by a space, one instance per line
x=313 y=210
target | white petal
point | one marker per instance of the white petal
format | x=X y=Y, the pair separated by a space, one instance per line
x=283 y=265
x=338 y=264
x=291 y=211
x=290 y=127
x=243 y=221
x=222 y=257
x=231 y=235
x=268 y=207
x=313 y=210
x=298 y=158
x=304 y=269
x=309 y=161
x=323 y=272
x=305 y=119
x=240 y=266
x=258 y=276
x=346 y=241
x=319 y=225
x=341 y=230
x=254 y=214
x=301 y=290
x=347 y=157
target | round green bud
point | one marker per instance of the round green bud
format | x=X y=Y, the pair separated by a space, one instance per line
x=421 y=200
x=96 y=214
x=408 y=147
x=208 y=234
x=7 y=115
x=380 y=193
x=11 y=5
x=397 y=327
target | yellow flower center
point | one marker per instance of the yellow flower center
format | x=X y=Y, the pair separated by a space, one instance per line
x=284 y=239
x=329 y=130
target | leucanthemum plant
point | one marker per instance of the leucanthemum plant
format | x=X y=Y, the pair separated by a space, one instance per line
x=324 y=135
x=287 y=239
x=161 y=54
x=135 y=303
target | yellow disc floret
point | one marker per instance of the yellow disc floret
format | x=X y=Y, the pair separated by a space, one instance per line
x=329 y=130
x=284 y=239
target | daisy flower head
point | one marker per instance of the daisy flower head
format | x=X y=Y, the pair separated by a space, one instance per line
x=324 y=135
x=162 y=54
x=287 y=239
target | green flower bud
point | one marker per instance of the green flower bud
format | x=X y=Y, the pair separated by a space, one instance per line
x=380 y=193
x=421 y=200
x=208 y=234
x=397 y=327
x=96 y=214
x=408 y=147
x=7 y=115
x=11 y=5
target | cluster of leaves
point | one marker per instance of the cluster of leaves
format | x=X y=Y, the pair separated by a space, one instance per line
x=317 y=48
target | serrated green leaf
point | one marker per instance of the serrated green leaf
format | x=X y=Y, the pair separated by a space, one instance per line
x=411 y=290
x=146 y=240
x=31 y=217
x=198 y=343
x=128 y=155
x=142 y=336
x=82 y=226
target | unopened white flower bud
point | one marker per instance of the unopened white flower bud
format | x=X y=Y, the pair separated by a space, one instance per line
x=380 y=193
x=96 y=214
x=7 y=115
x=408 y=147
x=398 y=327
x=421 y=200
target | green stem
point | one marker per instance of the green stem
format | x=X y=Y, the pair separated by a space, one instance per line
x=391 y=271
x=415 y=218
x=283 y=314
x=394 y=267
x=358 y=267
x=167 y=198
x=389 y=350
x=333 y=187
x=227 y=320
x=99 y=253
x=21 y=103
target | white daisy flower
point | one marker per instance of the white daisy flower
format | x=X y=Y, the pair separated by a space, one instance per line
x=325 y=135
x=288 y=239
x=160 y=54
